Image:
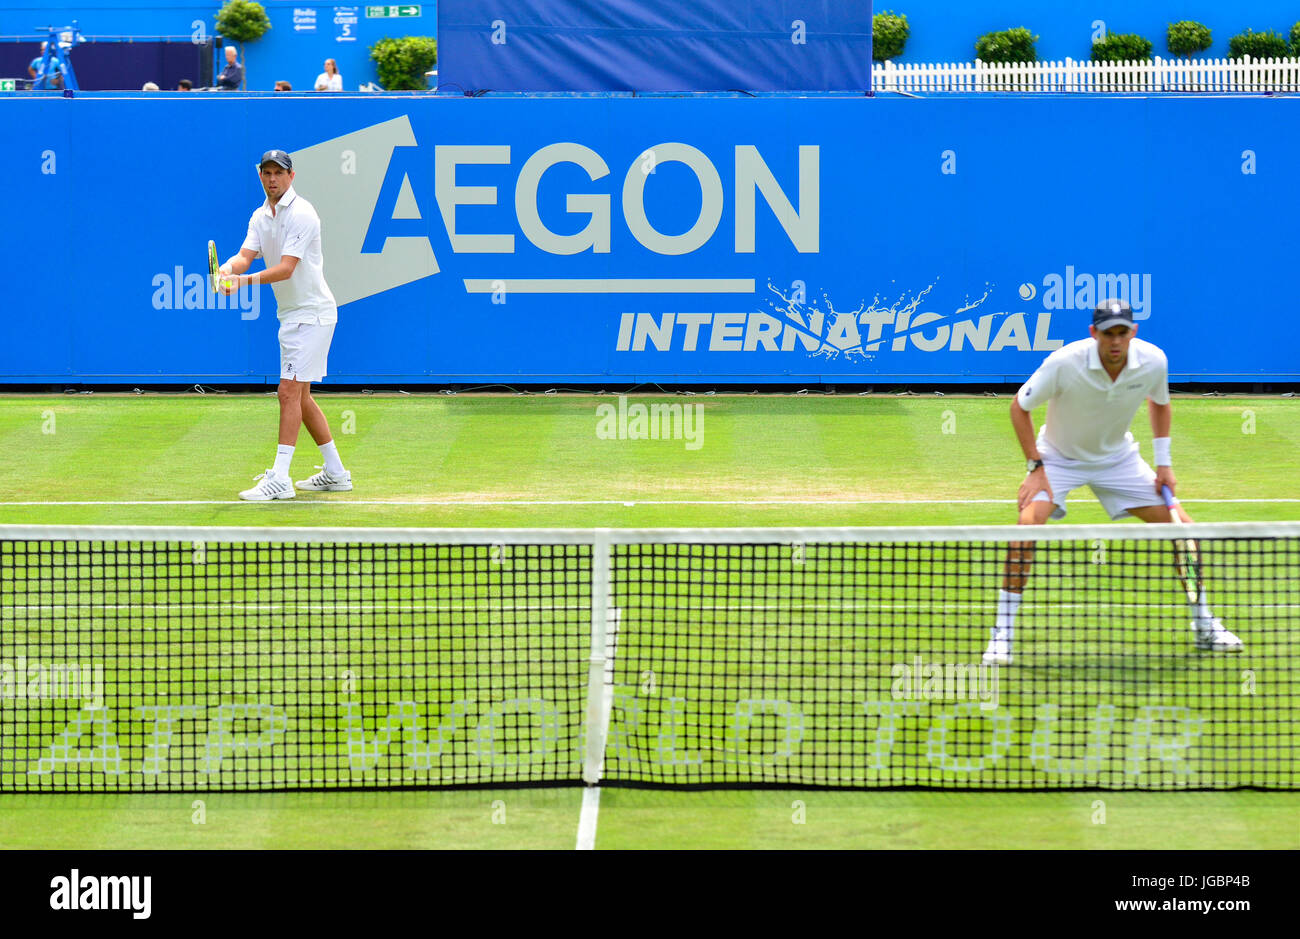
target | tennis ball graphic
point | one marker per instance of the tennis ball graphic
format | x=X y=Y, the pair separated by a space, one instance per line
x=1028 y=291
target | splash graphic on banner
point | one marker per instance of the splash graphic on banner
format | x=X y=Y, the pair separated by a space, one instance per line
x=819 y=330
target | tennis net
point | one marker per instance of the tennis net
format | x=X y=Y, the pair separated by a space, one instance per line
x=183 y=659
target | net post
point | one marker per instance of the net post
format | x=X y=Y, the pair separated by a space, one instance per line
x=598 y=702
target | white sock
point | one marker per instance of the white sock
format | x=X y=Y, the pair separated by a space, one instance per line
x=283 y=454
x=1201 y=612
x=333 y=465
x=1008 y=604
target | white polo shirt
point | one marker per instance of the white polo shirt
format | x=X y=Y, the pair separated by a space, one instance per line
x=294 y=230
x=1088 y=415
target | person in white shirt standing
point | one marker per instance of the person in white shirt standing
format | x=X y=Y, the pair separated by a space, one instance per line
x=1093 y=389
x=330 y=79
x=285 y=230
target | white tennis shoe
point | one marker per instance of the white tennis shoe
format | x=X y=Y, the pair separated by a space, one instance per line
x=325 y=481
x=998 y=652
x=270 y=487
x=1212 y=637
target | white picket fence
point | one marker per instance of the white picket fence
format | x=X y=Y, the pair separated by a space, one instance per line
x=1158 y=74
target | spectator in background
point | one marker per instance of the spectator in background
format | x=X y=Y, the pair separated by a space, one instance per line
x=232 y=76
x=330 y=79
x=34 y=69
x=149 y=86
x=283 y=86
x=184 y=85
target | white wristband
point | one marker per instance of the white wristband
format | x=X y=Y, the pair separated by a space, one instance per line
x=1162 y=451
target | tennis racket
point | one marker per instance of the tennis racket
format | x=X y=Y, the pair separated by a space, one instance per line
x=1187 y=555
x=214 y=267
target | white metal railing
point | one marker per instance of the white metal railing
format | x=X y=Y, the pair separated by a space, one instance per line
x=1154 y=75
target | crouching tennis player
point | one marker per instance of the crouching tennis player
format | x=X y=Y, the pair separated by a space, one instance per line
x=1092 y=389
x=285 y=230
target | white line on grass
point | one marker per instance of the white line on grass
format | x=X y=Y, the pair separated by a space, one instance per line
x=534 y=502
x=864 y=606
x=587 y=820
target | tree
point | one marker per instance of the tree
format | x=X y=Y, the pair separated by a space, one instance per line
x=1122 y=47
x=889 y=32
x=401 y=63
x=243 y=21
x=1008 y=45
x=1188 y=37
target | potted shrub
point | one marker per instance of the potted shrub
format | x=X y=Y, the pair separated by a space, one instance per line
x=1187 y=37
x=1122 y=47
x=401 y=63
x=1265 y=45
x=1008 y=45
x=889 y=32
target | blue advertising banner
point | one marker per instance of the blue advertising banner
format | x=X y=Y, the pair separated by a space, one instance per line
x=698 y=240
x=655 y=45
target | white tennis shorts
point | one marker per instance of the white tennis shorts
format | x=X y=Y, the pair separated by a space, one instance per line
x=1128 y=483
x=304 y=348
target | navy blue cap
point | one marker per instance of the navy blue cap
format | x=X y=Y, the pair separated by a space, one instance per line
x=1112 y=313
x=276 y=156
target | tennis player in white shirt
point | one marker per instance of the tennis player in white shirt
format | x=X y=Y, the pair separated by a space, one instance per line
x=1093 y=389
x=285 y=230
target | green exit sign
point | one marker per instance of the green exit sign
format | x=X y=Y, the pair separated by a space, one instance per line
x=8 y=84
x=392 y=11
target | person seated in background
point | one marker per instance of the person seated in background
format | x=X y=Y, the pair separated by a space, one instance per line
x=330 y=79
x=232 y=76
x=184 y=85
x=149 y=86
x=283 y=86
x=35 y=69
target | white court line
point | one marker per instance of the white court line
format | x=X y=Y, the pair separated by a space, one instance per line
x=860 y=606
x=530 y=502
x=587 y=820
x=605 y=620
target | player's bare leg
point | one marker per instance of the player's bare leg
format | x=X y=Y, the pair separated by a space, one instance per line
x=274 y=483
x=1015 y=574
x=332 y=476
x=313 y=418
x=290 y=395
x=1208 y=630
x=1020 y=554
x=1158 y=514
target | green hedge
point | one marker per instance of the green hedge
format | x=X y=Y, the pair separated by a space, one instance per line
x=1122 y=47
x=1188 y=37
x=1008 y=45
x=401 y=63
x=1265 y=45
x=889 y=32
